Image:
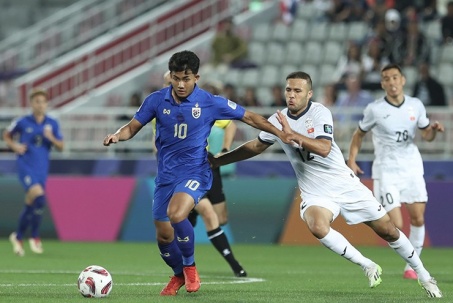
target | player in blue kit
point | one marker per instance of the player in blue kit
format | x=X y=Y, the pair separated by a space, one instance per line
x=31 y=138
x=184 y=116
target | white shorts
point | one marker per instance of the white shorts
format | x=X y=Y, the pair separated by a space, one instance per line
x=391 y=192
x=365 y=208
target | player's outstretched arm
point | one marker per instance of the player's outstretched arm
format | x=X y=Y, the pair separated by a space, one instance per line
x=429 y=133
x=354 y=148
x=245 y=151
x=230 y=132
x=320 y=147
x=124 y=133
x=259 y=122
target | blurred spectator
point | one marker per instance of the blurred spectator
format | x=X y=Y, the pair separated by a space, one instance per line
x=359 y=9
x=329 y=96
x=353 y=97
x=382 y=37
x=429 y=12
x=413 y=48
x=214 y=87
x=428 y=89
x=288 y=10
x=447 y=24
x=227 y=50
x=377 y=10
x=348 y=64
x=250 y=98
x=135 y=100
x=339 y=11
x=278 y=97
x=373 y=62
x=229 y=91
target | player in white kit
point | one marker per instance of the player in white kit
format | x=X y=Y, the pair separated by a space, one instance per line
x=328 y=187
x=397 y=170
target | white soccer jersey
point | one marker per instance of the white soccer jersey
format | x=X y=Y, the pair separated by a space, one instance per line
x=394 y=129
x=327 y=177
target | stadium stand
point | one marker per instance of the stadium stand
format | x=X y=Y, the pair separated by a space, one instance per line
x=131 y=56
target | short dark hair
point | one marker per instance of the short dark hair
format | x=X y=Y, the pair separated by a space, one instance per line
x=184 y=61
x=38 y=91
x=390 y=66
x=300 y=75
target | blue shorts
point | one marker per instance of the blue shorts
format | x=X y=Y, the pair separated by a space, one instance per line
x=196 y=187
x=28 y=178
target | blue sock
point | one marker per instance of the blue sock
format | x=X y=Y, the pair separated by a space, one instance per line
x=24 y=220
x=171 y=254
x=186 y=240
x=38 y=205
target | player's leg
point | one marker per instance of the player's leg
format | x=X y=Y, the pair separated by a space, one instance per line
x=185 y=195
x=32 y=189
x=166 y=241
x=217 y=236
x=318 y=219
x=413 y=194
x=401 y=244
x=222 y=212
x=417 y=232
x=170 y=253
x=36 y=194
x=217 y=197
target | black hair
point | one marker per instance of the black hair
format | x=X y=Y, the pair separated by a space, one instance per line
x=184 y=61
x=300 y=75
x=390 y=66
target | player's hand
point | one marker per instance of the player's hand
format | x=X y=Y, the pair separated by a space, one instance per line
x=19 y=148
x=213 y=161
x=437 y=126
x=285 y=125
x=355 y=168
x=47 y=133
x=109 y=139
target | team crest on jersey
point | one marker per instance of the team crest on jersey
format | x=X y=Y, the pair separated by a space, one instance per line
x=411 y=114
x=309 y=125
x=196 y=111
x=232 y=104
x=328 y=129
x=29 y=130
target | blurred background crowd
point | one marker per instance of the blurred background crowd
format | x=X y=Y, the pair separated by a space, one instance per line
x=342 y=44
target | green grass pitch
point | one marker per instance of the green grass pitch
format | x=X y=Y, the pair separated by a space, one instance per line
x=276 y=274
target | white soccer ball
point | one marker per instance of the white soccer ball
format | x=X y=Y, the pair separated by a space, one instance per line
x=95 y=281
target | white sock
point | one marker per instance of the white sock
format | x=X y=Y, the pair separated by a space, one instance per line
x=337 y=243
x=404 y=248
x=417 y=238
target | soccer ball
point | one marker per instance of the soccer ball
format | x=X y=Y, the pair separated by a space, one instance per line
x=95 y=281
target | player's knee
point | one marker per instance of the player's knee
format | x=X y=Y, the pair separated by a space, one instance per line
x=223 y=220
x=418 y=221
x=319 y=229
x=388 y=232
x=164 y=238
x=39 y=202
x=164 y=235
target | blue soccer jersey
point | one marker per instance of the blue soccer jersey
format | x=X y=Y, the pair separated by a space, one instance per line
x=33 y=166
x=182 y=129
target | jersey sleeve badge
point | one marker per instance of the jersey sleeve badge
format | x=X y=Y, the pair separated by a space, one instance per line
x=232 y=104
x=328 y=129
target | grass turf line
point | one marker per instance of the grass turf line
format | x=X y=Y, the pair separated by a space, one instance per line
x=281 y=274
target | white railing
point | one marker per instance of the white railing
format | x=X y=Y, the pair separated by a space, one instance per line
x=85 y=128
x=123 y=52
x=68 y=29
